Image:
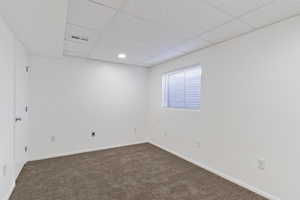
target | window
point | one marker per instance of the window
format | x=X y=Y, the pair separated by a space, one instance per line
x=181 y=88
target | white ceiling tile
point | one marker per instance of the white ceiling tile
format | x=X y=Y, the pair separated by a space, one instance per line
x=139 y=39
x=127 y=28
x=227 y=31
x=110 y=3
x=162 y=57
x=240 y=7
x=88 y=14
x=74 y=53
x=192 y=45
x=154 y=31
x=152 y=10
x=77 y=47
x=40 y=25
x=109 y=48
x=195 y=16
x=277 y=11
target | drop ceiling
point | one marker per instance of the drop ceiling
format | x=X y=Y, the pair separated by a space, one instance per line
x=148 y=31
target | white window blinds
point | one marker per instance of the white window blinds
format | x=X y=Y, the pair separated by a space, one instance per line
x=181 y=89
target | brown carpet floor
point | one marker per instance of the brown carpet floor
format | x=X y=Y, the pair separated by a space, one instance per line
x=137 y=172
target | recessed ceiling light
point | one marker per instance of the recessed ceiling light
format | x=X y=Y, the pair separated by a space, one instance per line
x=122 y=56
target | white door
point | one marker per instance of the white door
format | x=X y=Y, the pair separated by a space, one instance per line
x=21 y=107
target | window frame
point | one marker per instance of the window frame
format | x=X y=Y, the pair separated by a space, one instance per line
x=164 y=87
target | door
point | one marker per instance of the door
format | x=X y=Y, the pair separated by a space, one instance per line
x=21 y=108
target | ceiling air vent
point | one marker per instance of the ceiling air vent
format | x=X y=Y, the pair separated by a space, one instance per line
x=81 y=38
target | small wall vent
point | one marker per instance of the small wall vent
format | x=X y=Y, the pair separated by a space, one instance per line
x=81 y=38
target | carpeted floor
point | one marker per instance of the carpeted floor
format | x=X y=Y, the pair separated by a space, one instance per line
x=137 y=172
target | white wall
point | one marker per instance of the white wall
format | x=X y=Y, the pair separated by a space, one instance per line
x=72 y=97
x=6 y=109
x=250 y=110
x=8 y=162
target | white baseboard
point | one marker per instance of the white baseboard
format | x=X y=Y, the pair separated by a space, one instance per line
x=221 y=174
x=11 y=189
x=84 y=151
x=7 y=196
x=19 y=168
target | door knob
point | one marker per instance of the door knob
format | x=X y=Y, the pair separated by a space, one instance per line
x=18 y=119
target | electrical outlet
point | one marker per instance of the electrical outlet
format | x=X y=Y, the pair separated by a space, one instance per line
x=4 y=170
x=198 y=145
x=53 y=139
x=261 y=164
x=26 y=149
x=93 y=134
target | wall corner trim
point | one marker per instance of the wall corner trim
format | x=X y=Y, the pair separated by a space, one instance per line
x=221 y=174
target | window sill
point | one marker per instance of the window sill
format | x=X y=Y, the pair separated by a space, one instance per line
x=180 y=109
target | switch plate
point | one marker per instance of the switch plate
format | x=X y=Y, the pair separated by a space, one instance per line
x=261 y=164
x=26 y=108
x=27 y=68
x=53 y=139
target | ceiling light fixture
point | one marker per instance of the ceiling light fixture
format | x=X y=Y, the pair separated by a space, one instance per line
x=122 y=56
